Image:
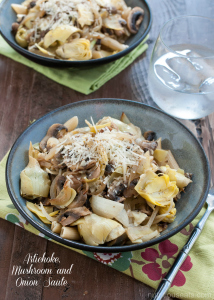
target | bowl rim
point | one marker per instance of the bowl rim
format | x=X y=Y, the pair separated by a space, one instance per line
x=104 y=249
x=61 y=62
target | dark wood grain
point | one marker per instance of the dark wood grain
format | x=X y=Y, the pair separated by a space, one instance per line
x=24 y=244
x=6 y=247
x=27 y=95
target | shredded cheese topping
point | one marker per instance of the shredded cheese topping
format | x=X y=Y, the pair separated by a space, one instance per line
x=120 y=148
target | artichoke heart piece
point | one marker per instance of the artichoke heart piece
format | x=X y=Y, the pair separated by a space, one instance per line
x=138 y=217
x=156 y=190
x=123 y=218
x=78 y=49
x=118 y=172
x=123 y=127
x=144 y=233
x=86 y=16
x=105 y=207
x=34 y=181
x=21 y=37
x=160 y=155
x=95 y=229
x=115 y=233
x=36 y=210
x=60 y=34
x=65 y=197
x=165 y=157
x=176 y=175
x=33 y=151
x=171 y=216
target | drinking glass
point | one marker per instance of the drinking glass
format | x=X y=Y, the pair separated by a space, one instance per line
x=181 y=71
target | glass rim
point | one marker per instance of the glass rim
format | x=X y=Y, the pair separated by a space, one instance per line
x=183 y=17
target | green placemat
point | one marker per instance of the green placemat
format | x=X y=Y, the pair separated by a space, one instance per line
x=84 y=81
x=195 y=277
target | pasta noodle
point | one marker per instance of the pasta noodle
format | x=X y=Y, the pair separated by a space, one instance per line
x=75 y=29
x=105 y=183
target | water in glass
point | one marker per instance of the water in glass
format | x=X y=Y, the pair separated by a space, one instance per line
x=182 y=81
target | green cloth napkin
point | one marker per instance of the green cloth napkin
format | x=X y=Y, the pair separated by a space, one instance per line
x=84 y=81
x=194 y=280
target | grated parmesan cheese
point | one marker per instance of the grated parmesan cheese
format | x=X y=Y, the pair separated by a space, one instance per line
x=80 y=149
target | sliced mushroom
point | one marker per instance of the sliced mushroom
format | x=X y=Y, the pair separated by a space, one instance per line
x=57 y=161
x=119 y=33
x=57 y=186
x=15 y=27
x=56 y=130
x=84 y=165
x=149 y=135
x=108 y=170
x=93 y=173
x=31 y=4
x=162 y=226
x=146 y=210
x=135 y=18
x=148 y=145
x=96 y=187
x=130 y=191
x=45 y=201
x=79 y=200
x=88 y=165
x=111 y=9
x=74 y=182
x=116 y=189
x=188 y=175
x=71 y=215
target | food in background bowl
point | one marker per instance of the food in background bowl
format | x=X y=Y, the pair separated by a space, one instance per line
x=75 y=30
x=106 y=184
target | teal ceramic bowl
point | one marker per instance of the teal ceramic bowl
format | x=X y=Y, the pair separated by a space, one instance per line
x=175 y=136
x=8 y=16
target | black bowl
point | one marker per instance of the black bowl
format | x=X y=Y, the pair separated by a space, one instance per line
x=8 y=16
x=175 y=136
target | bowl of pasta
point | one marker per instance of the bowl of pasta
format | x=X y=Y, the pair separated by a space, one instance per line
x=74 y=32
x=107 y=175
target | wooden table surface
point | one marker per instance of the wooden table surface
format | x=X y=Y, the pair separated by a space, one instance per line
x=27 y=95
